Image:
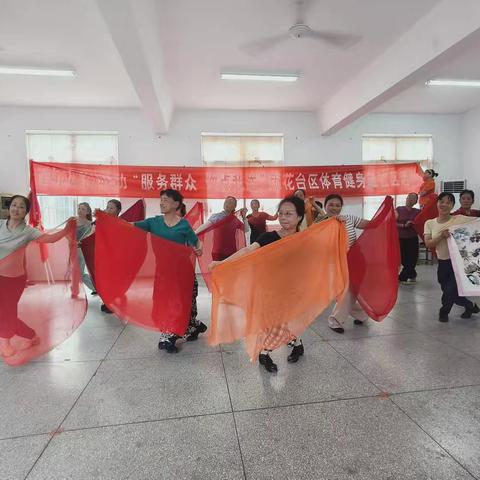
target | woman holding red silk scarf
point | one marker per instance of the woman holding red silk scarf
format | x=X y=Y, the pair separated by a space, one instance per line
x=348 y=305
x=171 y=226
x=14 y=234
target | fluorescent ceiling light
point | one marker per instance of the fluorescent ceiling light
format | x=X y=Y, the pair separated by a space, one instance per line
x=453 y=83
x=265 y=77
x=49 y=72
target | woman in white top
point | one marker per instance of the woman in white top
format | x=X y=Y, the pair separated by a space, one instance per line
x=348 y=305
x=14 y=234
x=436 y=234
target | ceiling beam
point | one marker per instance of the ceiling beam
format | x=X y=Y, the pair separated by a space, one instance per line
x=134 y=31
x=448 y=29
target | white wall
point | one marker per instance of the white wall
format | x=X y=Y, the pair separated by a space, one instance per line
x=138 y=145
x=471 y=150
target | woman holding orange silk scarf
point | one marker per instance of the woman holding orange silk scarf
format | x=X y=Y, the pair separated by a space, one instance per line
x=291 y=211
x=253 y=290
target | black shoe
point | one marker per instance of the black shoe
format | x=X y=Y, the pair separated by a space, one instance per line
x=467 y=313
x=105 y=309
x=200 y=328
x=94 y=292
x=443 y=317
x=168 y=345
x=337 y=329
x=358 y=322
x=297 y=352
x=475 y=308
x=265 y=360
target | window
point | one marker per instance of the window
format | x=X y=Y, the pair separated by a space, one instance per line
x=70 y=147
x=394 y=148
x=242 y=150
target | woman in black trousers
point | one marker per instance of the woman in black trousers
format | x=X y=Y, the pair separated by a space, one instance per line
x=436 y=234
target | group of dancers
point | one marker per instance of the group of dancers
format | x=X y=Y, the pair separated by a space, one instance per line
x=295 y=213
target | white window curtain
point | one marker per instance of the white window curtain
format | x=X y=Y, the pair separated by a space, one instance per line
x=99 y=148
x=254 y=150
x=242 y=150
x=391 y=148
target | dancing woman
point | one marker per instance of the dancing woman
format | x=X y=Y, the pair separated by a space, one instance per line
x=225 y=241
x=408 y=237
x=436 y=234
x=14 y=234
x=171 y=226
x=84 y=229
x=348 y=305
x=258 y=220
x=427 y=188
x=114 y=207
x=312 y=208
x=291 y=211
x=467 y=197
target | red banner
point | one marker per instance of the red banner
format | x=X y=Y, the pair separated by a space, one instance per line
x=218 y=182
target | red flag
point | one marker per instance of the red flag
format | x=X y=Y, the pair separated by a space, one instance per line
x=428 y=212
x=373 y=263
x=41 y=304
x=195 y=216
x=143 y=278
x=220 y=240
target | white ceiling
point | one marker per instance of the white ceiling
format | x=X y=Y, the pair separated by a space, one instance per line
x=196 y=39
x=421 y=98
x=201 y=38
x=61 y=32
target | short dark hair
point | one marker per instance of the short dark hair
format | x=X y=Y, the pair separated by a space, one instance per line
x=447 y=195
x=25 y=200
x=300 y=190
x=231 y=196
x=431 y=172
x=298 y=204
x=183 y=210
x=175 y=195
x=467 y=192
x=117 y=203
x=333 y=196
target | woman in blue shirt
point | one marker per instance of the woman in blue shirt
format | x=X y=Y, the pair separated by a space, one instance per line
x=171 y=226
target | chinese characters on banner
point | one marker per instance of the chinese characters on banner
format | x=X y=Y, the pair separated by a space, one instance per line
x=218 y=182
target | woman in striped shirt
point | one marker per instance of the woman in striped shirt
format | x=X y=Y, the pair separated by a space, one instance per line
x=348 y=305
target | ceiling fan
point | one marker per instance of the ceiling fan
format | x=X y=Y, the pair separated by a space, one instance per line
x=300 y=30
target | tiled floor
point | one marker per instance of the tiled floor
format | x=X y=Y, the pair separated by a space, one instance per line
x=396 y=400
